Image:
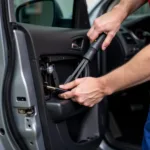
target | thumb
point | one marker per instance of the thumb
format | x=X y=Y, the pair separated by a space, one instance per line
x=108 y=40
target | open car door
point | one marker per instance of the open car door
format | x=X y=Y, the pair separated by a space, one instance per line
x=34 y=55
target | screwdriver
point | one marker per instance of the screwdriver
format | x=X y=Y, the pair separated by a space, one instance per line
x=56 y=90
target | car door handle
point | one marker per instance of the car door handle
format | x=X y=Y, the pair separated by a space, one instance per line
x=77 y=44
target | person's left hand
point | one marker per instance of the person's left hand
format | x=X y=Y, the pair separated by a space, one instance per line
x=85 y=91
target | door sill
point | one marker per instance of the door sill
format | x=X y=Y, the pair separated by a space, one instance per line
x=119 y=145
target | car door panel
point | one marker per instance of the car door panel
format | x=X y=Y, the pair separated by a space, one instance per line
x=71 y=125
x=47 y=56
x=52 y=40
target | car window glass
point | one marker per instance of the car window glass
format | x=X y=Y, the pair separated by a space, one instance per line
x=64 y=12
x=91 y=4
x=66 y=7
x=41 y=12
x=93 y=9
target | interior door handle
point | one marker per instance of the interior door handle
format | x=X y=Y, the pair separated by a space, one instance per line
x=77 y=44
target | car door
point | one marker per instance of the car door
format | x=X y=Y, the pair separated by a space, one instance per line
x=36 y=53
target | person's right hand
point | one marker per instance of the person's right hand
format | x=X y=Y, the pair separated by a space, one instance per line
x=109 y=24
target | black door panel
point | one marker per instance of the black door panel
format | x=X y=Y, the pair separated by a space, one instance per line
x=47 y=56
x=70 y=125
x=50 y=40
x=61 y=110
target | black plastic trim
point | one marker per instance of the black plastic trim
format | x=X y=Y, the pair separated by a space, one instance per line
x=119 y=145
x=80 y=15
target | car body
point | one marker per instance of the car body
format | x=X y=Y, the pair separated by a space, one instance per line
x=42 y=43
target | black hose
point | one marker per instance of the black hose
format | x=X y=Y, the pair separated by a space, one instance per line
x=92 y=51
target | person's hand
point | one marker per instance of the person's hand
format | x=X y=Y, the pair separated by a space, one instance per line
x=85 y=91
x=109 y=24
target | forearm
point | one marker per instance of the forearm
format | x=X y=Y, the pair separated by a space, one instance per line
x=136 y=71
x=137 y=83
x=126 y=7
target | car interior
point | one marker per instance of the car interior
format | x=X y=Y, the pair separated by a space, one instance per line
x=55 y=47
x=128 y=109
x=54 y=52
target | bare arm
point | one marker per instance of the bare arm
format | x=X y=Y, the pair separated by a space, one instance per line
x=110 y=22
x=90 y=91
x=129 y=6
x=137 y=83
x=136 y=71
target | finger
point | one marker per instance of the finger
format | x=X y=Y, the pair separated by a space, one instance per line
x=93 y=103
x=67 y=95
x=74 y=99
x=90 y=31
x=89 y=34
x=80 y=100
x=72 y=84
x=94 y=35
x=88 y=104
x=98 y=29
x=108 y=40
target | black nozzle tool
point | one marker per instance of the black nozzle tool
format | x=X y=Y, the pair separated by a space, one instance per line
x=56 y=90
x=94 y=48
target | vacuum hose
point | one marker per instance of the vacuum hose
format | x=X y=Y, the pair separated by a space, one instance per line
x=89 y=55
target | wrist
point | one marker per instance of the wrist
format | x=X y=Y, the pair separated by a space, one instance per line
x=104 y=85
x=121 y=11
